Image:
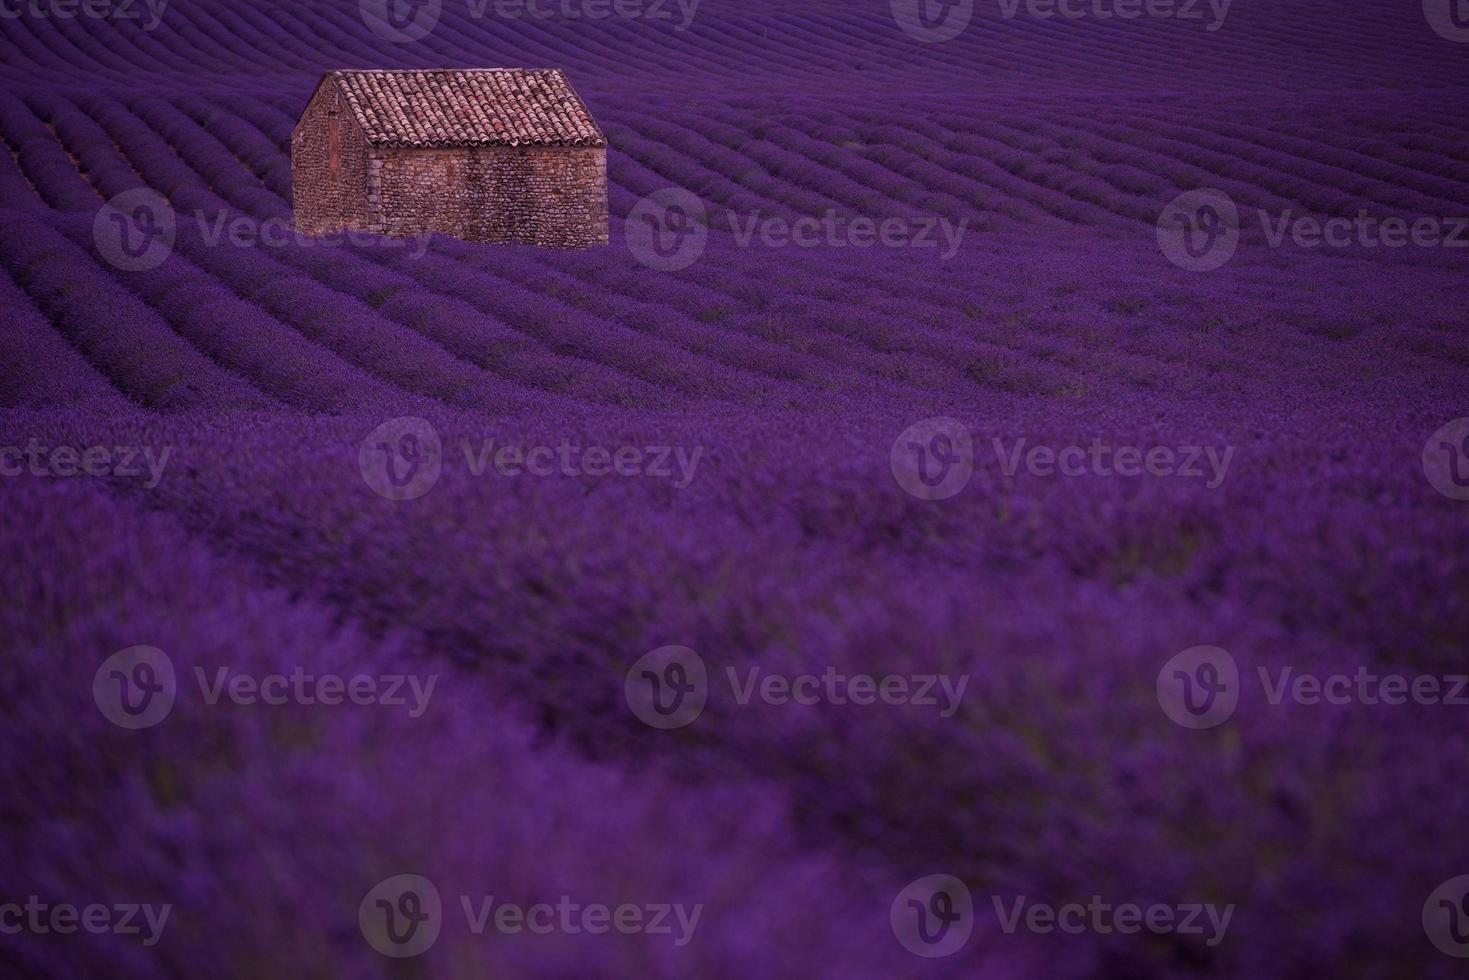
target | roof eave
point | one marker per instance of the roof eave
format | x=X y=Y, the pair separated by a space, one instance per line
x=586 y=144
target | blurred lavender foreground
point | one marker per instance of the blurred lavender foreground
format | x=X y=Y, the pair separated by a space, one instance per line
x=999 y=508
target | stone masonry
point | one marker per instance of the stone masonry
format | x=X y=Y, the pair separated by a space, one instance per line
x=489 y=155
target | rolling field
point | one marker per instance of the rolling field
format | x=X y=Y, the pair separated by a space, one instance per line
x=253 y=400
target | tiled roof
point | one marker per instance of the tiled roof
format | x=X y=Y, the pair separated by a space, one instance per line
x=468 y=106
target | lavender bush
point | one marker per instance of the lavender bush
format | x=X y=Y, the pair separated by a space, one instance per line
x=270 y=457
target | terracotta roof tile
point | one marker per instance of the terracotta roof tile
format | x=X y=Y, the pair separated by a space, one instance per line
x=468 y=106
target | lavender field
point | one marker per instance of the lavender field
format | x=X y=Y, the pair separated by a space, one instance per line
x=998 y=508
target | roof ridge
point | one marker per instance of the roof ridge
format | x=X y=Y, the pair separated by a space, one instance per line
x=421 y=71
x=434 y=107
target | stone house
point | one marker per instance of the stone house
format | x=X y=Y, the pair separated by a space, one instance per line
x=483 y=154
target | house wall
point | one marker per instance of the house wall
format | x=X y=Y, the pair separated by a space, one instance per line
x=323 y=201
x=551 y=195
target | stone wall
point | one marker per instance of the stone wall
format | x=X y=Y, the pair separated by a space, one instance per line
x=541 y=195
x=324 y=201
